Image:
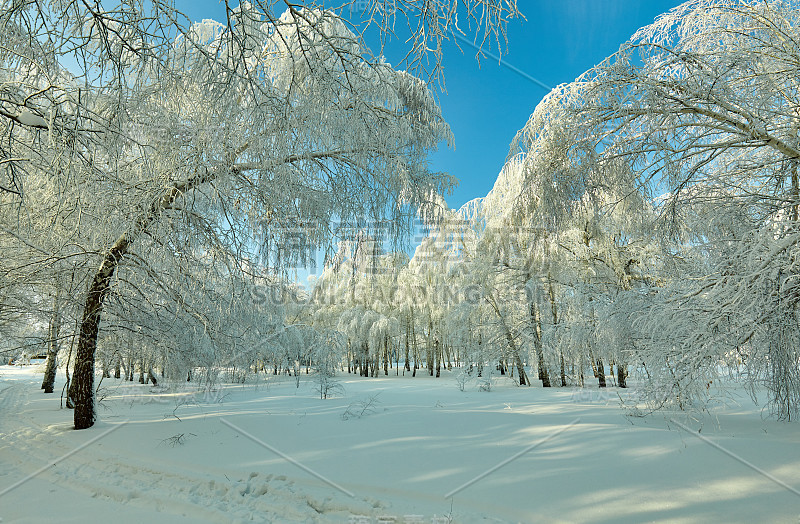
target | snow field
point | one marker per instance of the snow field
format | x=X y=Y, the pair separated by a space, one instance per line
x=169 y=457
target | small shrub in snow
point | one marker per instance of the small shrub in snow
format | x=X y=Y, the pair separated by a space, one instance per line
x=485 y=385
x=327 y=386
x=177 y=440
x=463 y=378
x=361 y=408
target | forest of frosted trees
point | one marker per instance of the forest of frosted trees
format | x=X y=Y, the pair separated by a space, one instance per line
x=160 y=181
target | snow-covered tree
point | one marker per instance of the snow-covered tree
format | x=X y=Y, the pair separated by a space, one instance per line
x=209 y=133
x=698 y=114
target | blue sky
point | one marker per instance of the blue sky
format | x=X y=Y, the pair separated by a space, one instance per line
x=485 y=105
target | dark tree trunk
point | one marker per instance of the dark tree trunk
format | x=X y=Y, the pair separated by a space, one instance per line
x=151 y=377
x=622 y=374
x=364 y=360
x=544 y=376
x=415 y=348
x=83 y=377
x=437 y=356
x=523 y=378
x=601 y=373
x=430 y=349
x=386 y=355
x=407 y=366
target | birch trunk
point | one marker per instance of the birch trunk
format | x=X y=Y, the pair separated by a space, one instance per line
x=83 y=377
x=48 y=383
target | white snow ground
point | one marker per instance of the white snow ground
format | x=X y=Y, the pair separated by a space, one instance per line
x=423 y=440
